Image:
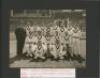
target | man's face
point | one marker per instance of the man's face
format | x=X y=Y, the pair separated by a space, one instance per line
x=28 y=23
x=60 y=23
x=48 y=38
x=57 y=33
x=48 y=29
x=57 y=46
x=39 y=36
x=39 y=47
x=69 y=28
x=62 y=28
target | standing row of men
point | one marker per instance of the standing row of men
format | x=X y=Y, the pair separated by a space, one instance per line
x=56 y=41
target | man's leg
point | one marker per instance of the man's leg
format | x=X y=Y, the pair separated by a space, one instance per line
x=19 y=48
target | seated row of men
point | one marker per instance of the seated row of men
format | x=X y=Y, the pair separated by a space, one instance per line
x=57 y=42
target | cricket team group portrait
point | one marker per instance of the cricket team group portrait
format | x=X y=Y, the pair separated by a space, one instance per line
x=47 y=38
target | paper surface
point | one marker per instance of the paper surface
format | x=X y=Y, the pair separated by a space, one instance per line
x=47 y=72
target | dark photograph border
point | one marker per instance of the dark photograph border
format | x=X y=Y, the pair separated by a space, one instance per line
x=92 y=8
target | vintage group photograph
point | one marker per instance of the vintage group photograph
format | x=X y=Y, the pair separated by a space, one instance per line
x=47 y=38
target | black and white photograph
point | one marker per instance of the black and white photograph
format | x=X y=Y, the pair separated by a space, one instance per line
x=47 y=38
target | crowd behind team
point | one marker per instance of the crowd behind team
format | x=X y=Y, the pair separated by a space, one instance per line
x=55 y=41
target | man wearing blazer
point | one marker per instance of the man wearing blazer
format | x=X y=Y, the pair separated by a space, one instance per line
x=20 y=37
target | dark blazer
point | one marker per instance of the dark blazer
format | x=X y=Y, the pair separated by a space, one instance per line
x=20 y=37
